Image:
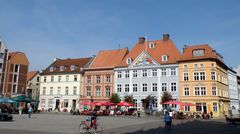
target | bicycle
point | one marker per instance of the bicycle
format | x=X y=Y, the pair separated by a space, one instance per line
x=85 y=127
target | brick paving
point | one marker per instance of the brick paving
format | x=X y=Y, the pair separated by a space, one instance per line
x=68 y=124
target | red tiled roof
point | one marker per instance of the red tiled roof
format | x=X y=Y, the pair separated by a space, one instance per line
x=79 y=63
x=31 y=74
x=161 y=48
x=108 y=58
x=208 y=53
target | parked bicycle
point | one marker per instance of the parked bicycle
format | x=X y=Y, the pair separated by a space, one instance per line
x=86 y=127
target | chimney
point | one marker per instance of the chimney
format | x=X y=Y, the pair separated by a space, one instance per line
x=185 y=46
x=141 y=40
x=165 y=37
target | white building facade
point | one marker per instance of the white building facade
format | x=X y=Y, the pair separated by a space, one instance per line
x=233 y=90
x=61 y=85
x=149 y=71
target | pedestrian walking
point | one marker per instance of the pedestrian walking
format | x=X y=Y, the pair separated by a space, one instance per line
x=30 y=111
x=20 y=108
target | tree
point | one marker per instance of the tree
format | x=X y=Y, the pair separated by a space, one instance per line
x=147 y=100
x=114 y=98
x=128 y=98
x=166 y=96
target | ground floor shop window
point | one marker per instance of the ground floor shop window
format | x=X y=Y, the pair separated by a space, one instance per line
x=65 y=103
x=187 y=108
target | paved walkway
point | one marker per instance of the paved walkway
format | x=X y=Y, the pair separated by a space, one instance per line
x=68 y=124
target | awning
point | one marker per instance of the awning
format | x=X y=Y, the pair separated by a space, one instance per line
x=22 y=98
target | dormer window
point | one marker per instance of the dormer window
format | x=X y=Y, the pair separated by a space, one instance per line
x=151 y=45
x=62 y=68
x=51 y=69
x=164 y=58
x=199 y=52
x=73 y=67
x=129 y=61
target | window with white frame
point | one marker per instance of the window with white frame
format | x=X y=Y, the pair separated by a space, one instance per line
x=75 y=78
x=98 y=79
x=164 y=71
x=126 y=74
x=201 y=66
x=108 y=91
x=45 y=79
x=66 y=90
x=59 y=91
x=197 y=91
x=62 y=68
x=135 y=73
x=185 y=77
x=213 y=75
x=108 y=79
x=144 y=87
x=154 y=87
x=164 y=87
x=214 y=91
x=129 y=61
x=135 y=102
x=144 y=73
x=126 y=87
x=173 y=71
x=154 y=72
x=67 y=78
x=203 y=91
x=173 y=86
x=187 y=108
x=196 y=76
x=88 y=91
x=51 y=90
x=59 y=78
x=199 y=52
x=98 y=91
x=215 y=107
x=134 y=87
x=151 y=45
x=119 y=74
x=185 y=67
x=74 y=90
x=89 y=79
x=155 y=103
x=50 y=103
x=186 y=91
x=52 y=78
x=43 y=102
x=119 y=88
x=51 y=69
x=44 y=91
x=195 y=66
x=164 y=58
x=73 y=67
x=65 y=103
x=202 y=76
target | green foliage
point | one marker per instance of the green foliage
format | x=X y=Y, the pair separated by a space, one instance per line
x=114 y=98
x=166 y=96
x=147 y=100
x=128 y=98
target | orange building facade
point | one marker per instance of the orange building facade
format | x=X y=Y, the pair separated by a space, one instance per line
x=98 y=78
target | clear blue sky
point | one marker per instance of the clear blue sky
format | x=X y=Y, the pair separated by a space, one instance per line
x=45 y=29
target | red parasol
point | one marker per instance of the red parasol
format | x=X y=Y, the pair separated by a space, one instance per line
x=85 y=103
x=123 y=103
x=173 y=102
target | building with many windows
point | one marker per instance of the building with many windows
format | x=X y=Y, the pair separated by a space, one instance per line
x=98 y=84
x=3 y=62
x=150 y=68
x=204 y=80
x=61 y=84
x=233 y=91
x=33 y=86
x=16 y=74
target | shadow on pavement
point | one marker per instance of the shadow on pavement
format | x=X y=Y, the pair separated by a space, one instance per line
x=195 y=127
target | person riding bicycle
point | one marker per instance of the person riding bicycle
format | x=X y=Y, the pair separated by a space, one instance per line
x=93 y=117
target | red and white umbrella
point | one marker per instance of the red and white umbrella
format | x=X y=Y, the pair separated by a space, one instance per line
x=85 y=103
x=174 y=102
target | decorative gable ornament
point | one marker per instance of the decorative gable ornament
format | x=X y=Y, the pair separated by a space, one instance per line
x=144 y=60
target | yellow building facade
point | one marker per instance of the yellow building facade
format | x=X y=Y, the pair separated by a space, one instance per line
x=203 y=81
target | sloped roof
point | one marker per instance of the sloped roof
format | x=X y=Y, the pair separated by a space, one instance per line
x=79 y=63
x=208 y=53
x=108 y=58
x=31 y=74
x=18 y=58
x=161 y=48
